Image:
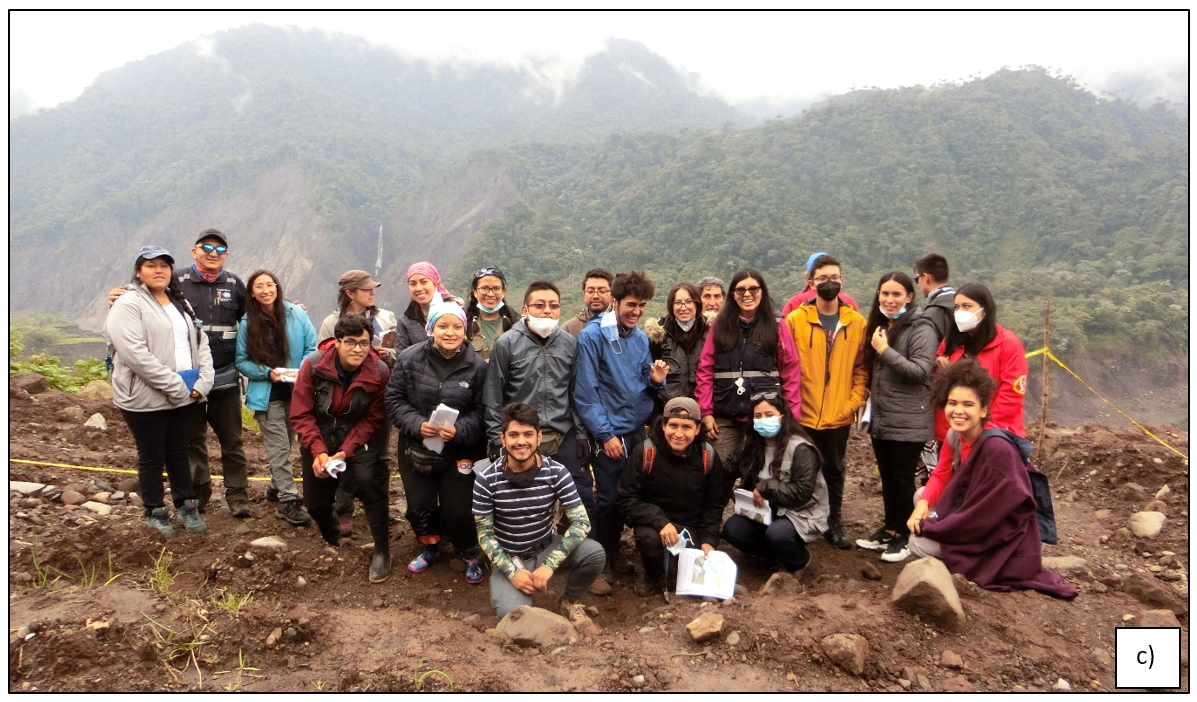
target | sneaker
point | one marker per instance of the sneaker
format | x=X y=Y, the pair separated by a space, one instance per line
x=898 y=549
x=271 y=494
x=189 y=515
x=203 y=493
x=293 y=513
x=600 y=587
x=160 y=520
x=427 y=557
x=238 y=504
x=836 y=537
x=575 y=612
x=647 y=587
x=877 y=542
x=473 y=571
x=346 y=525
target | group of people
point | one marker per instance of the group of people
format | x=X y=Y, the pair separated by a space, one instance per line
x=534 y=443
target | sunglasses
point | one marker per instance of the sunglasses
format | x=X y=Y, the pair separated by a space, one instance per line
x=757 y=397
x=209 y=248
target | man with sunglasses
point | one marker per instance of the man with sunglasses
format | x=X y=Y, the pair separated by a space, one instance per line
x=218 y=298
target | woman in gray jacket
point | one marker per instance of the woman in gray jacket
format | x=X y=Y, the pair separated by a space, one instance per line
x=161 y=370
x=900 y=357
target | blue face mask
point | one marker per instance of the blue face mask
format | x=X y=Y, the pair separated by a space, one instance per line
x=767 y=427
x=488 y=310
x=895 y=315
x=609 y=326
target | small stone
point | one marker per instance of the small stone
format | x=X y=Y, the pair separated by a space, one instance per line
x=1154 y=594
x=1158 y=461
x=377 y=603
x=118 y=495
x=780 y=582
x=964 y=588
x=129 y=485
x=639 y=682
x=1121 y=534
x=241 y=529
x=904 y=683
x=924 y=682
x=1062 y=686
x=31 y=382
x=1065 y=564
x=647 y=629
x=1102 y=657
x=26 y=489
x=733 y=638
x=1157 y=618
x=707 y=627
x=1102 y=514
x=1145 y=525
x=52 y=492
x=925 y=588
x=301 y=582
x=96 y=390
x=1133 y=492
x=472 y=620
x=870 y=572
x=99 y=627
x=102 y=497
x=1163 y=492
x=70 y=497
x=957 y=683
x=274 y=636
x=135 y=499
x=1156 y=506
x=269 y=543
x=98 y=508
x=849 y=651
x=96 y=421
x=951 y=659
x=291 y=633
x=73 y=414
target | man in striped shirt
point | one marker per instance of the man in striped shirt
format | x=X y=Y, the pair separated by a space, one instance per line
x=513 y=512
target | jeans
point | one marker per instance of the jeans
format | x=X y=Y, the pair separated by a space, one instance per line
x=832 y=445
x=277 y=437
x=608 y=523
x=161 y=437
x=896 y=461
x=779 y=540
x=223 y=412
x=584 y=563
x=567 y=455
x=440 y=504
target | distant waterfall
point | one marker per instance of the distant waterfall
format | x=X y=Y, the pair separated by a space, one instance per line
x=378 y=262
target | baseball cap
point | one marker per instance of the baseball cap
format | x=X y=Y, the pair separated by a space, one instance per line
x=356 y=280
x=150 y=252
x=212 y=234
x=682 y=408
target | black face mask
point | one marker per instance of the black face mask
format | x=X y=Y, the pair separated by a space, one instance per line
x=523 y=479
x=828 y=291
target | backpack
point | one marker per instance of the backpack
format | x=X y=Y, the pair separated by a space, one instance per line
x=1044 y=514
x=650 y=453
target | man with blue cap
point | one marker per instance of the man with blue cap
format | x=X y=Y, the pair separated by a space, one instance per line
x=808 y=293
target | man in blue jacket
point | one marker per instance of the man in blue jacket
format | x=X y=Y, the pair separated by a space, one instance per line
x=613 y=391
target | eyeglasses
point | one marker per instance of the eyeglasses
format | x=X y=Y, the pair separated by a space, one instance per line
x=597 y=291
x=749 y=290
x=540 y=306
x=209 y=248
x=683 y=303
x=489 y=289
x=354 y=343
x=829 y=279
x=264 y=286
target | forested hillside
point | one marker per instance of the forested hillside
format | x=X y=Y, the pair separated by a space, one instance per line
x=1026 y=182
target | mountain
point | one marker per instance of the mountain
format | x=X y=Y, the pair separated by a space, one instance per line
x=297 y=144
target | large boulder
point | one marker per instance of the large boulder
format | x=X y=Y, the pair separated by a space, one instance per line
x=31 y=382
x=925 y=588
x=532 y=626
x=96 y=390
x=1145 y=525
x=848 y=651
x=1154 y=594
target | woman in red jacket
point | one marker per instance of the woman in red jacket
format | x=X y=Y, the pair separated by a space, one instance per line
x=998 y=350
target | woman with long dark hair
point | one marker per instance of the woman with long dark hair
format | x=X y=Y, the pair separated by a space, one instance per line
x=488 y=315
x=778 y=463
x=746 y=348
x=161 y=371
x=272 y=340
x=900 y=356
x=677 y=338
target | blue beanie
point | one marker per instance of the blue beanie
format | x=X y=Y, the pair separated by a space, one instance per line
x=811 y=261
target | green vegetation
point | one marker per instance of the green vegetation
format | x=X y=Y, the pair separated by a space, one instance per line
x=69 y=379
x=1023 y=180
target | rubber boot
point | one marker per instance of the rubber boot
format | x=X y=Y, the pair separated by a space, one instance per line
x=379 y=519
x=330 y=529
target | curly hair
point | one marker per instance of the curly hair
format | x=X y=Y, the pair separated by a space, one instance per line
x=632 y=283
x=965 y=373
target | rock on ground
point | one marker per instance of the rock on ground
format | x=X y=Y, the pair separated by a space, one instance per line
x=957 y=683
x=1157 y=618
x=964 y=588
x=849 y=651
x=96 y=421
x=951 y=659
x=1065 y=564
x=707 y=627
x=98 y=508
x=1062 y=686
x=869 y=572
x=96 y=390
x=73 y=413
x=269 y=543
x=129 y=485
x=1146 y=524
x=1134 y=492
x=1157 y=506
x=26 y=489
x=1152 y=593
x=532 y=626
x=31 y=382
x=925 y=588
x=780 y=583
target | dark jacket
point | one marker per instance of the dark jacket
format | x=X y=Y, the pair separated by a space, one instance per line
x=901 y=384
x=522 y=369
x=416 y=389
x=507 y=318
x=409 y=329
x=328 y=420
x=796 y=491
x=676 y=490
x=663 y=344
x=940 y=309
x=219 y=306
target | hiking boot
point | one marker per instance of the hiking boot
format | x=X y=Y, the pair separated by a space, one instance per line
x=271 y=494
x=836 y=537
x=600 y=586
x=473 y=571
x=877 y=542
x=346 y=525
x=238 y=503
x=575 y=612
x=189 y=515
x=427 y=557
x=621 y=564
x=898 y=549
x=293 y=513
x=160 y=519
x=203 y=493
x=648 y=586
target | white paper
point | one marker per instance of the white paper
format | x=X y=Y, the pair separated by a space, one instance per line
x=287 y=375
x=442 y=416
x=706 y=576
x=743 y=506
x=865 y=418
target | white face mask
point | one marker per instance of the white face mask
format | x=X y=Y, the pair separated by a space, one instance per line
x=541 y=326
x=966 y=320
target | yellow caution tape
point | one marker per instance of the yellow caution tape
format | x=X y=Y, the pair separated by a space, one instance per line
x=100 y=469
x=1037 y=352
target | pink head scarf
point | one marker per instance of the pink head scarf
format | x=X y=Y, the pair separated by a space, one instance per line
x=425 y=268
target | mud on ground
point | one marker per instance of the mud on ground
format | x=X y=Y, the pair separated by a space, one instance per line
x=178 y=614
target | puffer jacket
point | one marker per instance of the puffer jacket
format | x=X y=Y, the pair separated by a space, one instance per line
x=301 y=342
x=541 y=375
x=901 y=384
x=682 y=378
x=383 y=320
x=416 y=389
x=835 y=382
x=409 y=329
x=507 y=318
x=142 y=339
x=327 y=419
x=797 y=492
x=940 y=309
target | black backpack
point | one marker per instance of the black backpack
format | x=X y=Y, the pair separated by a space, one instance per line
x=1044 y=513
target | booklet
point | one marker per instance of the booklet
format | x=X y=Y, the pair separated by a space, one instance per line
x=287 y=375
x=743 y=506
x=699 y=575
x=442 y=416
x=189 y=377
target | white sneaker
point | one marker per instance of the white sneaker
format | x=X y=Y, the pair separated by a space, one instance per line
x=898 y=549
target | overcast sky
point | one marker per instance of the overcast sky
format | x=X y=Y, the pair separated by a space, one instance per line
x=783 y=57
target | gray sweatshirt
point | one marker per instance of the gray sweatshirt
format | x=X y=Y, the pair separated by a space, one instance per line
x=143 y=363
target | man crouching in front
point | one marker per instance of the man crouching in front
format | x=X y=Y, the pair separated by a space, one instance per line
x=513 y=512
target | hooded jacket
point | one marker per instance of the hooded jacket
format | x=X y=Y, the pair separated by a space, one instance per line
x=613 y=387
x=327 y=419
x=409 y=329
x=901 y=384
x=301 y=342
x=663 y=344
x=940 y=309
x=541 y=375
x=416 y=389
x=835 y=382
x=143 y=364
x=676 y=490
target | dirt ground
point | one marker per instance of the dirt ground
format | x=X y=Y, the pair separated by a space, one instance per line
x=101 y=603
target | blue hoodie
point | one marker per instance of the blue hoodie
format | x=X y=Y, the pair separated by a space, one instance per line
x=613 y=391
x=301 y=342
